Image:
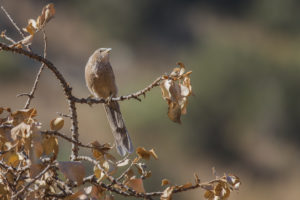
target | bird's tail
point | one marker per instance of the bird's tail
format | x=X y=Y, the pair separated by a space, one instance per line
x=116 y=122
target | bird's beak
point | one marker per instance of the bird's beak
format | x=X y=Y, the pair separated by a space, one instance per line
x=107 y=50
x=105 y=55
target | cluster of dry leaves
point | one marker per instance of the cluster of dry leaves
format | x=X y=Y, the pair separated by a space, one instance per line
x=25 y=153
x=176 y=88
x=34 y=26
x=29 y=168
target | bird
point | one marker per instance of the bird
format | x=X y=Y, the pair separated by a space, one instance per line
x=100 y=80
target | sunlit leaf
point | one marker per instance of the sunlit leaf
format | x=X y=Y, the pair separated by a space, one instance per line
x=31 y=28
x=50 y=146
x=144 y=154
x=57 y=124
x=209 y=195
x=175 y=90
x=20 y=131
x=165 y=182
x=99 y=174
x=48 y=13
x=11 y=158
x=23 y=115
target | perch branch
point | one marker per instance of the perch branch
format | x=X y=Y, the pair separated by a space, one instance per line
x=135 y=95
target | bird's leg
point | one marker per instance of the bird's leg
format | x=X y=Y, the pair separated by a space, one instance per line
x=108 y=99
x=89 y=100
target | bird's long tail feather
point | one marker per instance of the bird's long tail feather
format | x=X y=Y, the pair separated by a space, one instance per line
x=116 y=122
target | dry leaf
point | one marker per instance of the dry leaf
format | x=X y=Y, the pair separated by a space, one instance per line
x=143 y=153
x=11 y=158
x=100 y=150
x=96 y=153
x=128 y=175
x=23 y=115
x=233 y=181
x=174 y=112
x=165 y=182
x=20 y=131
x=72 y=170
x=95 y=192
x=50 y=146
x=175 y=90
x=209 y=195
x=99 y=174
x=48 y=12
x=136 y=184
x=57 y=124
x=31 y=28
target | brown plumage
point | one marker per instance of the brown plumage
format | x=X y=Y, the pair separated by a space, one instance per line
x=100 y=80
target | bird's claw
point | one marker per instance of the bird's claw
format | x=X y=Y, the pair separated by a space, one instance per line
x=109 y=99
x=89 y=100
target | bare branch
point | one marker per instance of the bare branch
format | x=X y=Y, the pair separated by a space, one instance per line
x=13 y=23
x=31 y=94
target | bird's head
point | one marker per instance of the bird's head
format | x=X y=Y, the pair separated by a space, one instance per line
x=103 y=54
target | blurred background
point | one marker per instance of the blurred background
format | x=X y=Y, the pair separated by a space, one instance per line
x=244 y=117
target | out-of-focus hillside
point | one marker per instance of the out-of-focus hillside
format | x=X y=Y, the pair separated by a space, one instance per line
x=244 y=117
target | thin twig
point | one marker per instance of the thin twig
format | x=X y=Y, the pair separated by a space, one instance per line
x=3 y=35
x=31 y=94
x=125 y=172
x=12 y=21
x=73 y=141
x=64 y=115
x=20 y=192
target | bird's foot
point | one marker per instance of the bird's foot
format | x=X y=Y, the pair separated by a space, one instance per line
x=89 y=100
x=109 y=99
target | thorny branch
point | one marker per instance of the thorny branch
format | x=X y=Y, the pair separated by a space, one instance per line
x=124 y=189
x=65 y=187
x=74 y=140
